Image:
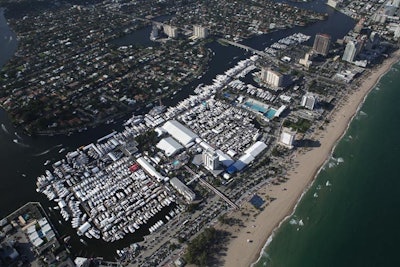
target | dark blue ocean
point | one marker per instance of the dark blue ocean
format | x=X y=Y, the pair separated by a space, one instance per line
x=350 y=216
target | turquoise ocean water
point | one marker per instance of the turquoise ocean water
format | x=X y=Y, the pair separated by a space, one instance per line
x=351 y=214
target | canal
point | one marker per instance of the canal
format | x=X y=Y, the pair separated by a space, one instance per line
x=22 y=157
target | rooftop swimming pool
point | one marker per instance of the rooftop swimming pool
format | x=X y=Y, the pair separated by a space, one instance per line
x=256 y=107
x=270 y=113
x=260 y=107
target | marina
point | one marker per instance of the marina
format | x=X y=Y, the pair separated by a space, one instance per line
x=103 y=193
x=76 y=140
x=116 y=186
x=287 y=42
x=108 y=189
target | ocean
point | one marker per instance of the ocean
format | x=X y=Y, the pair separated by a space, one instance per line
x=22 y=162
x=349 y=217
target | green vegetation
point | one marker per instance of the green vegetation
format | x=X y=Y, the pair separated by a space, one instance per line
x=283 y=68
x=264 y=162
x=276 y=152
x=146 y=140
x=320 y=87
x=302 y=125
x=173 y=246
x=216 y=182
x=223 y=219
x=191 y=208
x=295 y=72
x=200 y=251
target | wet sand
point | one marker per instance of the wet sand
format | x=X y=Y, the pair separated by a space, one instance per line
x=245 y=248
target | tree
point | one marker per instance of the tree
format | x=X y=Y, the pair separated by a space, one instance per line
x=222 y=219
x=191 y=207
x=202 y=247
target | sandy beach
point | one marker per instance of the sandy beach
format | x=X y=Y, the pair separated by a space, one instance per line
x=245 y=247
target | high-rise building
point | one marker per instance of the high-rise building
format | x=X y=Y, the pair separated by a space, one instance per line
x=287 y=137
x=321 y=44
x=171 y=31
x=359 y=26
x=211 y=160
x=306 y=62
x=379 y=17
x=360 y=44
x=154 y=33
x=350 y=51
x=332 y=3
x=200 y=32
x=308 y=101
x=271 y=77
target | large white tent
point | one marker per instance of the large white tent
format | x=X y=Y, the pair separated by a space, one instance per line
x=179 y=132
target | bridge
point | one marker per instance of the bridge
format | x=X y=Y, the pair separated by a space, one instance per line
x=219 y=193
x=245 y=47
x=223 y=40
x=212 y=188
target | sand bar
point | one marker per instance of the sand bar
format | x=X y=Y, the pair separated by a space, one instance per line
x=240 y=251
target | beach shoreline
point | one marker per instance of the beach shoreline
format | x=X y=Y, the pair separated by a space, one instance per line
x=252 y=238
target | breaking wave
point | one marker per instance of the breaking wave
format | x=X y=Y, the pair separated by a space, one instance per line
x=362 y=113
x=335 y=161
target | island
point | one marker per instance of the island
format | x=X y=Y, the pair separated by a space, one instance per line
x=222 y=168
